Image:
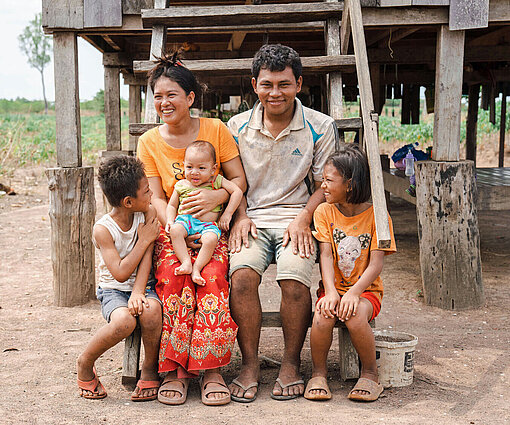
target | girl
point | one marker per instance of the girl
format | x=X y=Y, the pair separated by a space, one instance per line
x=351 y=289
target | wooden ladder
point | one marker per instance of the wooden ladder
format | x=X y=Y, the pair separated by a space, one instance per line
x=341 y=21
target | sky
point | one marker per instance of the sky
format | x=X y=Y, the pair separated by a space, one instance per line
x=18 y=79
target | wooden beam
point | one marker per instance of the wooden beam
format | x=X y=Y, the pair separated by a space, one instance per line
x=112 y=43
x=415 y=104
x=67 y=14
x=468 y=14
x=448 y=93
x=492 y=104
x=237 y=38
x=332 y=42
x=345 y=32
x=472 y=121
x=493 y=37
x=502 y=129
x=135 y=112
x=405 y=107
x=100 y=13
x=112 y=108
x=120 y=59
x=67 y=100
x=397 y=35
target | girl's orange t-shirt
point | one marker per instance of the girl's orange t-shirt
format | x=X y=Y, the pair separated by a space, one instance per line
x=352 y=239
x=162 y=160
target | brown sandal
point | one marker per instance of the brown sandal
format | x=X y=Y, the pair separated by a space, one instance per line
x=373 y=388
x=214 y=386
x=317 y=383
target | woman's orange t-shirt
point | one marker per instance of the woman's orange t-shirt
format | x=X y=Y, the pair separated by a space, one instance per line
x=352 y=239
x=164 y=161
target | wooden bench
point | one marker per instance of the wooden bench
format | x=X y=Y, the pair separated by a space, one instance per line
x=348 y=357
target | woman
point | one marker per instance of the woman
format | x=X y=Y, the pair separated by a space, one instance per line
x=198 y=331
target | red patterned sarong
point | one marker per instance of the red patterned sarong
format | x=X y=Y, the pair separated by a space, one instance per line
x=198 y=331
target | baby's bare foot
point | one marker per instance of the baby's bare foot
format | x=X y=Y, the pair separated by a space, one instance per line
x=197 y=277
x=184 y=268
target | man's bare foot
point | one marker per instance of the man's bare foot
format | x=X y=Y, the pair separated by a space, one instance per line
x=86 y=373
x=197 y=277
x=247 y=377
x=185 y=268
x=289 y=383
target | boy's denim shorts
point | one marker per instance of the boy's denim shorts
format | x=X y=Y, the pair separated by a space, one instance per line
x=260 y=253
x=112 y=299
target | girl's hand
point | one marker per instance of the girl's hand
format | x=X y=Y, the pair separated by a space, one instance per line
x=327 y=305
x=202 y=201
x=136 y=303
x=348 y=306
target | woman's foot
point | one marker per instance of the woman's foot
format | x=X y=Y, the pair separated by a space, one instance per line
x=173 y=390
x=185 y=268
x=214 y=390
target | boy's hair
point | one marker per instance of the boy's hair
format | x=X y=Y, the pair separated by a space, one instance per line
x=203 y=146
x=120 y=176
x=352 y=164
x=276 y=57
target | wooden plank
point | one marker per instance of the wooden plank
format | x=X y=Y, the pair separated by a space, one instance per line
x=472 y=121
x=135 y=112
x=349 y=124
x=394 y=3
x=200 y=16
x=112 y=108
x=405 y=110
x=448 y=234
x=332 y=42
x=67 y=102
x=134 y=80
x=502 y=130
x=137 y=129
x=134 y=7
x=72 y=215
x=492 y=104
x=415 y=104
x=498 y=36
x=397 y=186
x=468 y=14
x=370 y=119
x=448 y=93
x=120 y=59
x=345 y=32
x=131 y=359
x=430 y=2
x=311 y=64
x=102 y=13
x=62 y=14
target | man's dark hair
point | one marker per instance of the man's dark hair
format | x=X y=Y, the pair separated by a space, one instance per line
x=119 y=177
x=352 y=164
x=276 y=57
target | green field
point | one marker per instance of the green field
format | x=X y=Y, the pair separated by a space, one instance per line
x=27 y=136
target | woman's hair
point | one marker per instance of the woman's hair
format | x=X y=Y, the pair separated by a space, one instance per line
x=119 y=177
x=352 y=164
x=202 y=146
x=276 y=57
x=171 y=67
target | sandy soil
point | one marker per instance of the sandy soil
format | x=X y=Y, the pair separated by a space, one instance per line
x=462 y=363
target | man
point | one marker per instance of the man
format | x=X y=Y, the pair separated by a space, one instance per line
x=283 y=147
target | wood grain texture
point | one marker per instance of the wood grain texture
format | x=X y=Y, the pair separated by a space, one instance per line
x=468 y=14
x=472 y=121
x=502 y=130
x=131 y=359
x=135 y=112
x=332 y=41
x=102 y=13
x=72 y=215
x=112 y=108
x=448 y=233
x=66 y=14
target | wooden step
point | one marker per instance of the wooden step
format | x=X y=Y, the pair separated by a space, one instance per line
x=206 y=16
x=343 y=124
x=230 y=67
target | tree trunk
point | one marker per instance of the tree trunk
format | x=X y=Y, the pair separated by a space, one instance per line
x=44 y=94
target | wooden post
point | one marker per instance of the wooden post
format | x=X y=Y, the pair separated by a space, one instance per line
x=72 y=214
x=112 y=108
x=448 y=93
x=67 y=99
x=472 y=121
x=131 y=361
x=502 y=129
x=492 y=104
x=405 y=109
x=448 y=233
x=135 y=112
x=415 y=104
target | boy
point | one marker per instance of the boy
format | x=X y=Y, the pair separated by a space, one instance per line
x=125 y=239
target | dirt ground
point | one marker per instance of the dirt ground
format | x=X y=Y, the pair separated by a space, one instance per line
x=462 y=361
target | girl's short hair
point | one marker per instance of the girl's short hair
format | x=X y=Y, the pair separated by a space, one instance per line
x=352 y=164
x=171 y=67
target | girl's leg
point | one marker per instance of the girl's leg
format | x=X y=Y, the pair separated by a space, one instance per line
x=209 y=241
x=321 y=336
x=178 y=234
x=363 y=339
x=121 y=325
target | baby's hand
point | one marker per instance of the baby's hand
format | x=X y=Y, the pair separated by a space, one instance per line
x=224 y=222
x=136 y=303
x=348 y=306
x=149 y=231
x=327 y=305
x=169 y=224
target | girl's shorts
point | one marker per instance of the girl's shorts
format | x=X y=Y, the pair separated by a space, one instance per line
x=370 y=296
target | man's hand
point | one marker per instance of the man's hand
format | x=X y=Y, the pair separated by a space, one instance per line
x=239 y=233
x=149 y=231
x=136 y=303
x=300 y=236
x=348 y=306
x=327 y=305
x=202 y=201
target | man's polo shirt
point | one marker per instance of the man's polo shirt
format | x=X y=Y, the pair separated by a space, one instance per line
x=276 y=168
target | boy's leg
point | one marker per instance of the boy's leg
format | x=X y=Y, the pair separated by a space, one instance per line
x=150 y=323
x=209 y=241
x=321 y=336
x=178 y=234
x=363 y=339
x=121 y=325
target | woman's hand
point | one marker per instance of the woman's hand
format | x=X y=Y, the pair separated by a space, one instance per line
x=327 y=305
x=348 y=305
x=191 y=241
x=202 y=201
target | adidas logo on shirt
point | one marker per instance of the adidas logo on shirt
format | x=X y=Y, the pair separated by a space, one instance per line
x=297 y=152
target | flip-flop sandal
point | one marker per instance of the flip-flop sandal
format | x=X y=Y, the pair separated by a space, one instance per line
x=317 y=383
x=145 y=385
x=177 y=385
x=290 y=384
x=92 y=386
x=214 y=386
x=245 y=388
x=373 y=388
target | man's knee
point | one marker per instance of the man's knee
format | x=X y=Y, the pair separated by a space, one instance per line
x=245 y=281
x=294 y=291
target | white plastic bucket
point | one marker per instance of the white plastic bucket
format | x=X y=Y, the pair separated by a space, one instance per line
x=395 y=357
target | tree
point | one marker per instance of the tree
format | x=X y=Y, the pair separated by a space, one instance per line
x=36 y=46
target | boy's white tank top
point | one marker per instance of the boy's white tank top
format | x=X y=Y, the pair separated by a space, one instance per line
x=124 y=243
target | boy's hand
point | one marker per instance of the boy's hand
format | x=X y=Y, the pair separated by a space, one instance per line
x=136 y=303
x=348 y=306
x=149 y=231
x=327 y=305
x=224 y=221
